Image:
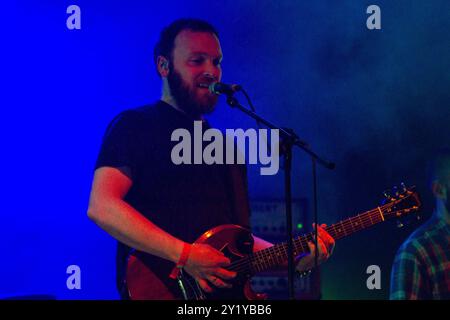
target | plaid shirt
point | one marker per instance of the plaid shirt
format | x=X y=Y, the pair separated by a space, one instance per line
x=421 y=268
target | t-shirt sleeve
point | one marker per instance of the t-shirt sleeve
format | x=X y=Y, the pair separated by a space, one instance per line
x=119 y=144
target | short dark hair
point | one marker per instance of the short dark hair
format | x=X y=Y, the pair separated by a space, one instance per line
x=166 y=42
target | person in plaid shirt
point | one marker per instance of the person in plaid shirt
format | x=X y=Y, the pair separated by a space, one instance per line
x=421 y=267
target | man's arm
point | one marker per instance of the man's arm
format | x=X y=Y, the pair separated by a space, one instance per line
x=109 y=211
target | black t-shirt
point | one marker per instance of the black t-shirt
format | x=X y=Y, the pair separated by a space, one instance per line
x=184 y=200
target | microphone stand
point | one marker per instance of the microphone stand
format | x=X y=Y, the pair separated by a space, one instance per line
x=290 y=139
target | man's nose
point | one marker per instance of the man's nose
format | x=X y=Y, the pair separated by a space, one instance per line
x=210 y=76
x=212 y=71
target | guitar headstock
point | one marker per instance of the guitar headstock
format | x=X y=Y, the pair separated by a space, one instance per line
x=401 y=201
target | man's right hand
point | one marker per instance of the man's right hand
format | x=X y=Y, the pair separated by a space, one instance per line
x=207 y=266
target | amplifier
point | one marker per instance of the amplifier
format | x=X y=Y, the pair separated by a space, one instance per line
x=268 y=221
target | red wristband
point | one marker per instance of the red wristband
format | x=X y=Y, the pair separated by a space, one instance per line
x=182 y=261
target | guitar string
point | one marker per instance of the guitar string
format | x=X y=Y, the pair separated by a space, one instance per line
x=278 y=249
x=261 y=260
x=369 y=216
x=195 y=288
x=245 y=264
x=242 y=264
x=303 y=239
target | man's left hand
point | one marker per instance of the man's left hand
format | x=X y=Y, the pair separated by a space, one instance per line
x=326 y=246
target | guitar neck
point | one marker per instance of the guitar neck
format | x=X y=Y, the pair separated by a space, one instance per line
x=277 y=254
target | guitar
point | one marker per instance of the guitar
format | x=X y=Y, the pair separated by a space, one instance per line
x=237 y=244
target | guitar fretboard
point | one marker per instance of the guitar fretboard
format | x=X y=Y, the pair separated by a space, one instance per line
x=276 y=255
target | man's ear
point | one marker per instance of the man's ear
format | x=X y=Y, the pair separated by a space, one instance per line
x=162 y=64
x=438 y=189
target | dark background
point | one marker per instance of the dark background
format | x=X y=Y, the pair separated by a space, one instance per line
x=374 y=101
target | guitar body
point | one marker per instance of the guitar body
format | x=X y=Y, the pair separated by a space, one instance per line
x=234 y=241
x=148 y=276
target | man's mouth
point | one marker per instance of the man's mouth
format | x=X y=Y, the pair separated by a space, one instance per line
x=203 y=85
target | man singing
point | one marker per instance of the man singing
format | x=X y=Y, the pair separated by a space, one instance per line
x=156 y=208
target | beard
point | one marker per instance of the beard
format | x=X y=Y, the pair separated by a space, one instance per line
x=190 y=99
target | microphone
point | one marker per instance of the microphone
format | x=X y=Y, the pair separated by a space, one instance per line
x=222 y=88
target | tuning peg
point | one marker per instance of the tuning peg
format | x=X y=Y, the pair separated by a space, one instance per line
x=403 y=188
x=395 y=191
x=387 y=194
